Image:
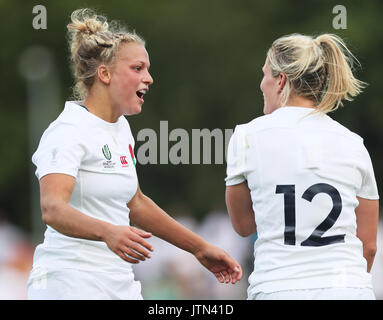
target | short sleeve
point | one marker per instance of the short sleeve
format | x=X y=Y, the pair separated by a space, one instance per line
x=235 y=173
x=369 y=189
x=59 y=151
x=128 y=132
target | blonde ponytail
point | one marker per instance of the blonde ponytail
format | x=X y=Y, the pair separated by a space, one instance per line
x=318 y=69
x=341 y=83
x=93 y=41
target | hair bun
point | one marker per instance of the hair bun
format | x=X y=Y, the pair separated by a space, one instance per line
x=87 y=22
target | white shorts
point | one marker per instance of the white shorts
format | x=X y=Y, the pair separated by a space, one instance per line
x=72 y=284
x=318 y=294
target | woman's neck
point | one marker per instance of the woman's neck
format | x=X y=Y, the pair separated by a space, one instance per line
x=100 y=105
x=298 y=101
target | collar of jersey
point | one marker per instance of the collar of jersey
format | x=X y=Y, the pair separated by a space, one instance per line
x=90 y=116
x=296 y=108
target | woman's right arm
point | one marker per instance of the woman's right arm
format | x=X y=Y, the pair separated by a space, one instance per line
x=125 y=241
x=367 y=214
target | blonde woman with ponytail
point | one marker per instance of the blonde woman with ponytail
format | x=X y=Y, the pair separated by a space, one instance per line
x=302 y=181
x=88 y=183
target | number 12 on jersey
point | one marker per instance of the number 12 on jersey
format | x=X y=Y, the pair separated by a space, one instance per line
x=316 y=239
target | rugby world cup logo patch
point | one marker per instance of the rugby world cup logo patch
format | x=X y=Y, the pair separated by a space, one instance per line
x=108 y=165
x=106 y=152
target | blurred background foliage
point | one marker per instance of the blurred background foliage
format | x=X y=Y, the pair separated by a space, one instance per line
x=206 y=59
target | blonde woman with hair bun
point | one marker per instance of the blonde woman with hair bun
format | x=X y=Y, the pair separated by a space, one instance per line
x=302 y=181
x=89 y=190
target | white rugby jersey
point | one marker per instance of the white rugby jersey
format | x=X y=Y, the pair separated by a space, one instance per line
x=100 y=156
x=304 y=172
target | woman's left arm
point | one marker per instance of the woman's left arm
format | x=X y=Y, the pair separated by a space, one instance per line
x=240 y=208
x=150 y=217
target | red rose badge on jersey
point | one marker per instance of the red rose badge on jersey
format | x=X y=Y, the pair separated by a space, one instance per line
x=132 y=154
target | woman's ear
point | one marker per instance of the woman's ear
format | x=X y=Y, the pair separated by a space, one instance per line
x=281 y=82
x=104 y=74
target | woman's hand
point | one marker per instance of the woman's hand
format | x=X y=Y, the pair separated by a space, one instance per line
x=128 y=243
x=221 y=264
x=147 y=215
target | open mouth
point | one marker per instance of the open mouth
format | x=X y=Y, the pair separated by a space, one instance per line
x=141 y=93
